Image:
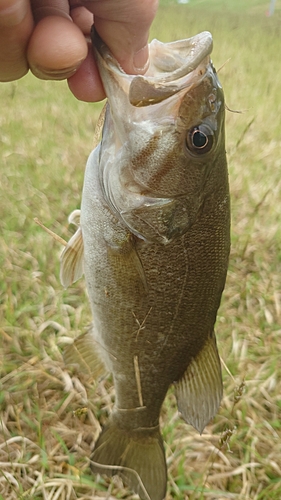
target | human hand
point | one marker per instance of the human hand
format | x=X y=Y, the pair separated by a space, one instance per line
x=49 y=37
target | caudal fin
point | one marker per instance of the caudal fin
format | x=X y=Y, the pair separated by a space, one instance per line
x=136 y=455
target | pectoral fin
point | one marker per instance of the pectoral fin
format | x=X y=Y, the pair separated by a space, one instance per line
x=124 y=254
x=134 y=261
x=199 y=391
x=71 y=260
x=83 y=353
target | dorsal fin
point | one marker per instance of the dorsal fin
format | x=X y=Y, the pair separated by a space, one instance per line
x=71 y=260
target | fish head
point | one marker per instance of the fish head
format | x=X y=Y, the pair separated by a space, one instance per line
x=163 y=138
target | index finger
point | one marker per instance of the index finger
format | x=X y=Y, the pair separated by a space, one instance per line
x=16 y=25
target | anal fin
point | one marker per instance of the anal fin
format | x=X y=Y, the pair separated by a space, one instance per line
x=199 y=391
x=136 y=455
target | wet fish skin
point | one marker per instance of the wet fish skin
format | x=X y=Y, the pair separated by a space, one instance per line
x=155 y=220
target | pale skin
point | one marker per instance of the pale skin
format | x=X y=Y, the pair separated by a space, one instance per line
x=51 y=38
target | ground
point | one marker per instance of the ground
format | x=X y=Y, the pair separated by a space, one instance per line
x=50 y=415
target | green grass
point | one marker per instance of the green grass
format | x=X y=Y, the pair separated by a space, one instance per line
x=49 y=417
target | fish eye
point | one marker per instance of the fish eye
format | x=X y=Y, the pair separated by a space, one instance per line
x=200 y=139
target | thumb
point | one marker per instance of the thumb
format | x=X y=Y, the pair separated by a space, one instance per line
x=124 y=26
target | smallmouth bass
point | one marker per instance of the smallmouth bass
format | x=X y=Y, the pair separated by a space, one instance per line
x=153 y=241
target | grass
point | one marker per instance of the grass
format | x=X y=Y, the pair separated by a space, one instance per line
x=50 y=416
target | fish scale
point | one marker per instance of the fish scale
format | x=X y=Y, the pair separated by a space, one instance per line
x=154 y=242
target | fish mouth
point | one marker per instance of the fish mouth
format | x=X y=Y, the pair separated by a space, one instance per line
x=173 y=67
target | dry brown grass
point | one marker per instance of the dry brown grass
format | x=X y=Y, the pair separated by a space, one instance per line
x=50 y=416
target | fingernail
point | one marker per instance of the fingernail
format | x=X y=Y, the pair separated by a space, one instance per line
x=141 y=60
x=53 y=74
x=13 y=15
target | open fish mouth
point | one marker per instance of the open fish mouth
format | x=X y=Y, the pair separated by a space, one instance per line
x=173 y=67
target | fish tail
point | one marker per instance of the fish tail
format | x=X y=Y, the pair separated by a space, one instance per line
x=136 y=455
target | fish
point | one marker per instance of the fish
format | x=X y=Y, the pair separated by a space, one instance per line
x=153 y=242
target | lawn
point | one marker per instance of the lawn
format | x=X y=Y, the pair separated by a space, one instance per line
x=50 y=415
